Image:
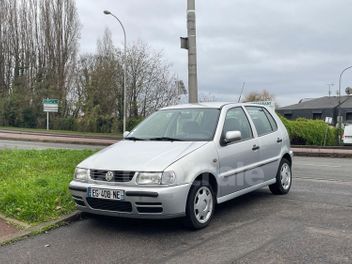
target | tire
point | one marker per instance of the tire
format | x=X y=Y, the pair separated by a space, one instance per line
x=195 y=217
x=283 y=178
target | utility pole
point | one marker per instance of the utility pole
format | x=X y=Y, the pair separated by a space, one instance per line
x=190 y=43
x=330 y=86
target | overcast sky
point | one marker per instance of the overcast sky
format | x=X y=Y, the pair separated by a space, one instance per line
x=292 y=48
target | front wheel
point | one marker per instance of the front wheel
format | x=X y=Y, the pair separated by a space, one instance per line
x=200 y=205
x=283 y=178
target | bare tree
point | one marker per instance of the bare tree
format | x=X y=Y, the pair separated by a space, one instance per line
x=264 y=95
x=39 y=59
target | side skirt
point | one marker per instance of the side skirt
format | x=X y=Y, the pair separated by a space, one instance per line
x=244 y=191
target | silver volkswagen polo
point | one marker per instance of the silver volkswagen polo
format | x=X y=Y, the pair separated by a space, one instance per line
x=184 y=160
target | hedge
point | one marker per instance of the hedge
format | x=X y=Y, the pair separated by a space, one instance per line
x=310 y=132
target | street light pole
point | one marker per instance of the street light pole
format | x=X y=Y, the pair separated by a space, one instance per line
x=192 y=52
x=339 y=106
x=106 y=12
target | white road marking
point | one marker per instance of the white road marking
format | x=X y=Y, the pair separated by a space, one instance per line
x=316 y=165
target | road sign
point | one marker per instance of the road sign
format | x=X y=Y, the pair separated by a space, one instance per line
x=51 y=105
x=50 y=101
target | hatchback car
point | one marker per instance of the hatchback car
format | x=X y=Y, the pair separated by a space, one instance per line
x=184 y=160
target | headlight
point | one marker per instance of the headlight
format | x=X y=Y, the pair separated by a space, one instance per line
x=81 y=174
x=156 y=178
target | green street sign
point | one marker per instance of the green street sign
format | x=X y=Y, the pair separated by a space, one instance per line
x=50 y=101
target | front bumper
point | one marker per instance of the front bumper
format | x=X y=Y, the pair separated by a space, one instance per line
x=139 y=202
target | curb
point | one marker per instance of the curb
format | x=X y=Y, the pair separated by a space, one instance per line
x=321 y=153
x=75 y=216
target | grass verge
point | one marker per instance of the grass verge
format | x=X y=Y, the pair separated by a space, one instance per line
x=34 y=183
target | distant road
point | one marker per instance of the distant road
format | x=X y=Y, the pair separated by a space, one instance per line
x=16 y=144
x=60 y=138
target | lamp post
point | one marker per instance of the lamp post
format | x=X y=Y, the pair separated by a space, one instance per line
x=339 y=106
x=106 y=12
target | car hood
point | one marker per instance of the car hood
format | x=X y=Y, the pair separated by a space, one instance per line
x=140 y=155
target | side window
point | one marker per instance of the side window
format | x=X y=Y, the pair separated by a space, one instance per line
x=271 y=119
x=260 y=120
x=236 y=120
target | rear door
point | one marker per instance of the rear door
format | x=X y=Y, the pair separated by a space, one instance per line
x=270 y=140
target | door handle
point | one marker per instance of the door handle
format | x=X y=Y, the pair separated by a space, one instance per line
x=255 y=147
x=279 y=140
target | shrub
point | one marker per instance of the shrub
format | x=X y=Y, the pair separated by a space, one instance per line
x=310 y=132
x=133 y=122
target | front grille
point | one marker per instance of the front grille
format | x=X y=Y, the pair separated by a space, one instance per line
x=108 y=205
x=119 y=176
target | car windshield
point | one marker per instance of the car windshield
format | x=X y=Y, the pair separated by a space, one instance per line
x=196 y=124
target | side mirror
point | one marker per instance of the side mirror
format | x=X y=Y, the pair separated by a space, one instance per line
x=126 y=133
x=232 y=136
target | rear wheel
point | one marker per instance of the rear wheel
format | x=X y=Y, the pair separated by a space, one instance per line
x=200 y=205
x=283 y=178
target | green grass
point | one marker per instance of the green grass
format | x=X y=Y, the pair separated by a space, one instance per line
x=63 y=132
x=34 y=183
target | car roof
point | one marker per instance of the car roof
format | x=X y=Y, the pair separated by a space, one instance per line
x=215 y=105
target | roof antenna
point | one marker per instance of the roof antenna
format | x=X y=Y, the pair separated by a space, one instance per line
x=243 y=86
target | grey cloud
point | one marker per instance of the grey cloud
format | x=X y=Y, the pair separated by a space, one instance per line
x=292 y=48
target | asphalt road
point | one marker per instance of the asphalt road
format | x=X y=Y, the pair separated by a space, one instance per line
x=312 y=224
x=16 y=144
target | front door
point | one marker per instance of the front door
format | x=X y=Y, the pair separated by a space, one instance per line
x=237 y=160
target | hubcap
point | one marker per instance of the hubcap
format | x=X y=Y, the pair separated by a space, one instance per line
x=285 y=174
x=203 y=204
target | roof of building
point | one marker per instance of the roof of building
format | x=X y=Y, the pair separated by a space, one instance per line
x=326 y=102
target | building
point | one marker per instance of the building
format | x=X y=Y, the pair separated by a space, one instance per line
x=320 y=108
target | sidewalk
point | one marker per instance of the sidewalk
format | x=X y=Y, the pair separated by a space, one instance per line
x=7 y=230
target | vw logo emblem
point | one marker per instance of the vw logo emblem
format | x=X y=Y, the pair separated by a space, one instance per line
x=109 y=176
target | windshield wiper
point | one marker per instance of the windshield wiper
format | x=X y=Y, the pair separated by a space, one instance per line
x=165 y=139
x=134 y=138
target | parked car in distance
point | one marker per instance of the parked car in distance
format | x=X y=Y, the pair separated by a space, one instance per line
x=347 y=135
x=184 y=160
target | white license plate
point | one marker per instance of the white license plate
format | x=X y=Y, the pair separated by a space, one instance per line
x=106 y=194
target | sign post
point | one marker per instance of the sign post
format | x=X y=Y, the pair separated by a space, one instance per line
x=50 y=106
x=47 y=120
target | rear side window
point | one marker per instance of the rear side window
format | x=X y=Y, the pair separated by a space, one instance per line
x=261 y=119
x=271 y=119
